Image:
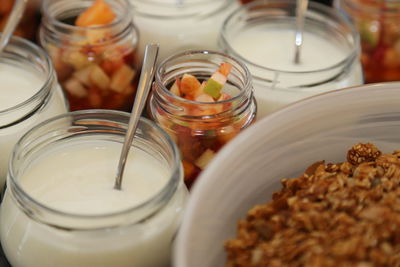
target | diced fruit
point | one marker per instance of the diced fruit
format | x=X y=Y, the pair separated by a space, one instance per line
x=205 y=158
x=225 y=69
x=175 y=87
x=100 y=13
x=83 y=75
x=99 y=78
x=94 y=98
x=204 y=98
x=189 y=86
x=75 y=88
x=122 y=78
x=75 y=58
x=214 y=85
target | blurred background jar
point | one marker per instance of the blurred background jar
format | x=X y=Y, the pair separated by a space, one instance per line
x=179 y=25
x=96 y=65
x=61 y=209
x=28 y=26
x=200 y=129
x=262 y=35
x=379 y=25
x=29 y=94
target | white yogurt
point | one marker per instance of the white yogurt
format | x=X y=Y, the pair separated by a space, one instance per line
x=274 y=49
x=78 y=178
x=180 y=25
x=17 y=86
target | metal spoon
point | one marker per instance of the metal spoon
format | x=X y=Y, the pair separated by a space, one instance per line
x=12 y=22
x=301 y=9
x=146 y=78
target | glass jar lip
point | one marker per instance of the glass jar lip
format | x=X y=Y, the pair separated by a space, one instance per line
x=192 y=5
x=247 y=86
x=165 y=193
x=20 y=42
x=353 y=53
x=54 y=21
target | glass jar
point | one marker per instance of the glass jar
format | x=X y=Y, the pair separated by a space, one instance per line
x=262 y=34
x=199 y=137
x=29 y=23
x=179 y=25
x=60 y=207
x=29 y=94
x=378 y=24
x=96 y=65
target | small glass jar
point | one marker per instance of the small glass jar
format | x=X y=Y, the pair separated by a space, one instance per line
x=29 y=23
x=179 y=25
x=199 y=137
x=96 y=65
x=55 y=227
x=30 y=94
x=378 y=24
x=262 y=34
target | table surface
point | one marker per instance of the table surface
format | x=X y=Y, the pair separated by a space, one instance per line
x=3 y=260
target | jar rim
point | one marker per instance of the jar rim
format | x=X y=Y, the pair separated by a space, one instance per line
x=56 y=22
x=320 y=8
x=165 y=193
x=247 y=86
x=38 y=52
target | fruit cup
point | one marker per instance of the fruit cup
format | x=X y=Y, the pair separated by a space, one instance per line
x=378 y=24
x=92 y=45
x=202 y=99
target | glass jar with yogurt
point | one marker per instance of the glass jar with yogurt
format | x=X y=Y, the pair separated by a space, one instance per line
x=179 y=25
x=200 y=127
x=262 y=35
x=29 y=94
x=378 y=24
x=61 y=209
x=96 y=64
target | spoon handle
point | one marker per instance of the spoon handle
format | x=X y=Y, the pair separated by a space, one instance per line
x=146 y=78
x=12 y=22
x=301 y=9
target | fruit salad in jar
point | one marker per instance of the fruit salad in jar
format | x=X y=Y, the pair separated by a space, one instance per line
x=378 y=24
x=207 y=112
x=95 y=65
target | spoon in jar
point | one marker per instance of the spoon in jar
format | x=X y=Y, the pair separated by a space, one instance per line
x=146 y=78
x=12 y=22
x=301 y=8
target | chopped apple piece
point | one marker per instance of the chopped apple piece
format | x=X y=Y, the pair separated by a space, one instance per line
x=75 y=88
x=190 y=86
x=75 y=58
x=225 y=69
x=99 y=78
x=204 y=98
x=122 y=78
x=214 y=85
x=205 y=158
x=83 y=75
x=100 y=13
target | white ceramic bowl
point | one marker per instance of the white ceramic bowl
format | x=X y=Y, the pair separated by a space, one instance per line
x=284 y=144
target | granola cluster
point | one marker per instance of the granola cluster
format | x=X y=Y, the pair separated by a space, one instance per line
x=345 y=214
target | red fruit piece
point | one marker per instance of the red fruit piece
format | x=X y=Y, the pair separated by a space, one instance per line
x=225 y=68
x=189 y=86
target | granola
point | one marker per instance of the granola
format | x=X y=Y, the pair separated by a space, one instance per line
x=345 y=214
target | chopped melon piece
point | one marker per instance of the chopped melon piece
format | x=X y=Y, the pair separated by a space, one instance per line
x=175 y=87
x=99 y=78
x=75 y=88
x=190 y=86
x=100 y=13
x=205 y=158
x=122 y=78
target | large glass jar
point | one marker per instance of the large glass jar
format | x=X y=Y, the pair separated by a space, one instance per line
x=262 y=34
x=378 y=24
x=61 y=209
x=29 y=94
x=96 y=65
x=179 y=25
x=199 y=135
